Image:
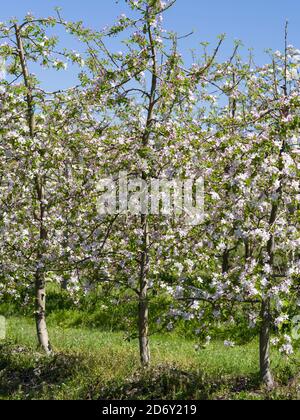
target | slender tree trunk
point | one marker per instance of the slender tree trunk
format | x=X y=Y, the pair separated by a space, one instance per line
x=40 y=289
x=264 y=345
x=265 y=333
x=64 y=284
x=40 y=312
x=143 y=298
x=225 y=261
x=247 y=249
x=144 y=330
x=40 y=283
x=265 y=329
x=145 y=260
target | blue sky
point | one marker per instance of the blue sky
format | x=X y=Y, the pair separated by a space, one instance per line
x=258 y=23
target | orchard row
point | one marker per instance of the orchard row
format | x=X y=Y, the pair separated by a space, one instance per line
x=145 y=112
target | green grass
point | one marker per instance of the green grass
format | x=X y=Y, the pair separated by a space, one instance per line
x=89 y=364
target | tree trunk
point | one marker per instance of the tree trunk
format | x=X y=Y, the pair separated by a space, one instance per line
x=40 y=291
x=145 y=261
x=264 y=346
x=143 y=298
x=64 y=284
x=144 y=331
x=40 y=313
x=225 y=261
x=265 y=333
x=40 y=284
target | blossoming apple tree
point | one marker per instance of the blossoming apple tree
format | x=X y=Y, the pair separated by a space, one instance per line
x=249 y=239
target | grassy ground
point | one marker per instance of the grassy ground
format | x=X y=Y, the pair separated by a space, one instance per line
x=89 y=364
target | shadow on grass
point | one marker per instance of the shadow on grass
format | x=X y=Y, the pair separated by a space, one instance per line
x=172 y=383
x=28 y=374
x=25 y=374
